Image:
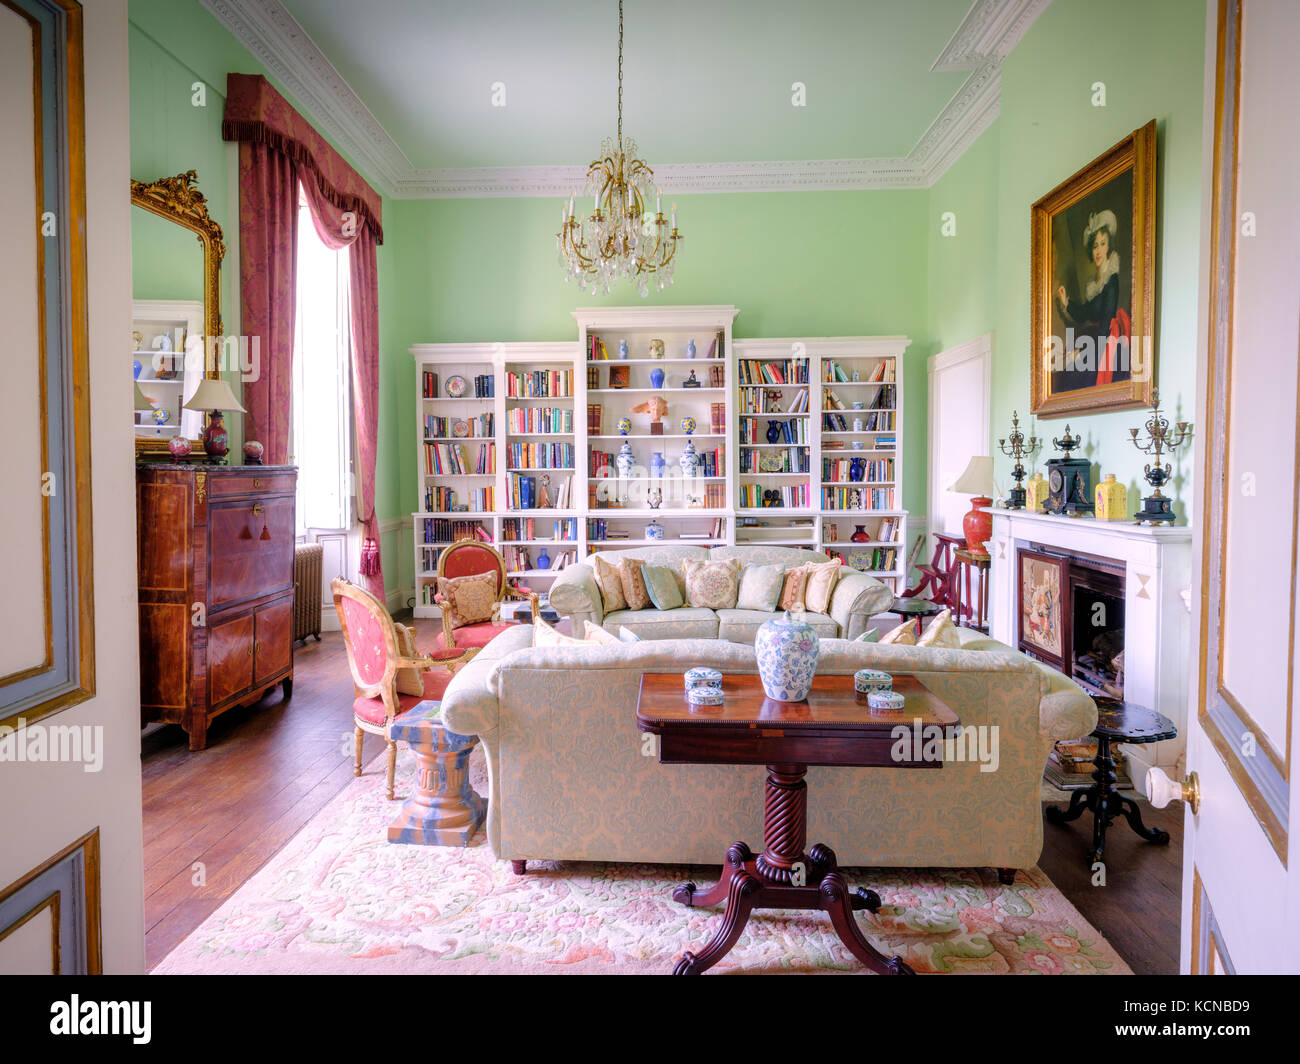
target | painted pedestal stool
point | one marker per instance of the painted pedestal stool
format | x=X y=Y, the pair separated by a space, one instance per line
x=444 y=809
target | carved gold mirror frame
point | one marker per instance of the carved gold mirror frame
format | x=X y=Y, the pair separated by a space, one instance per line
x=178 y=199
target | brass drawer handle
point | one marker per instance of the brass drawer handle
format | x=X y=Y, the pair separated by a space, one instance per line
x=258 y=508
x=250 y=652
x=258 y=646
x=257 y=482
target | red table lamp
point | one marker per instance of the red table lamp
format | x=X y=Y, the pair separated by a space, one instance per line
x=214 y=395
x=977 y=481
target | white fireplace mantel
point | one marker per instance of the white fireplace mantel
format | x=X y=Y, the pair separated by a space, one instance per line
x=1157 y=608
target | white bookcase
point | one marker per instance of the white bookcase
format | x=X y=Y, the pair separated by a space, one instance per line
x=862 y=419
x=619 y=508
x=604 y=510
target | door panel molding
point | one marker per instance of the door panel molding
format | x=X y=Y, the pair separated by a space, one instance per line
x=1263 y=780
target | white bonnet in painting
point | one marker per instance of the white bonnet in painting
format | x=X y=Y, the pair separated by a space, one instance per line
x=1101 y=220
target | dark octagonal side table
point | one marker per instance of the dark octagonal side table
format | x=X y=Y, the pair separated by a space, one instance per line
x=1120 y=722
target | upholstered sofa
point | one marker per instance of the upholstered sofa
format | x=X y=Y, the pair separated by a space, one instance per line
x=570 y=778
x=857 y=597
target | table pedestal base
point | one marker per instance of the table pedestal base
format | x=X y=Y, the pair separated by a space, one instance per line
x=783 y=876
x=1106 y=803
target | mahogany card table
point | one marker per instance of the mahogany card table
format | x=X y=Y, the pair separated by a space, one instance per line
x=833 y=726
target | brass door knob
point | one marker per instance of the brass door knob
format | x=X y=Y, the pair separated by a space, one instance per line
x=1162 y=790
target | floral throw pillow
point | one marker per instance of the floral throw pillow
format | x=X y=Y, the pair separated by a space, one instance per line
x=792 y=588
x=469 y=599
x=760 y=587
x=712 y=585
x=611 y=587
x=633 y=583
x=822 y=578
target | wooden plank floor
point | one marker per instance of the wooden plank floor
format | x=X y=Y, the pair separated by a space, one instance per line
x=214 y=817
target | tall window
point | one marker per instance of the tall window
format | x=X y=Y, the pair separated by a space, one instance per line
x=322 y=382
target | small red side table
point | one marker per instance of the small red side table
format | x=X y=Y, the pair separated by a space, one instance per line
x=967 y=604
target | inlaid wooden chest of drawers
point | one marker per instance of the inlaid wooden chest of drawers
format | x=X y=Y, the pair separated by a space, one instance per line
x=215 y=553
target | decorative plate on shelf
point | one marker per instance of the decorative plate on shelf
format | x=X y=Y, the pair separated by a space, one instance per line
x=460 y=427
x=455 y=386
x=771 y=462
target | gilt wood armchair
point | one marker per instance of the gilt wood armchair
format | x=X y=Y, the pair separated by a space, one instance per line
x=387 y=676
x=472 y=558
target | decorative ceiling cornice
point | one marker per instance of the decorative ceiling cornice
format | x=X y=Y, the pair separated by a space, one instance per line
x=988 y=33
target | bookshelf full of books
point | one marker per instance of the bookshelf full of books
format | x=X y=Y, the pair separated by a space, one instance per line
x=774 y=497
x=860 y=460
x=551 y=451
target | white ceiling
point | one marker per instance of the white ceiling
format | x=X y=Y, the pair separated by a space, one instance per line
x=895 y=90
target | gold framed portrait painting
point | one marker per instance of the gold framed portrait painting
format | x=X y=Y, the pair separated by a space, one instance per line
x=1093 y=284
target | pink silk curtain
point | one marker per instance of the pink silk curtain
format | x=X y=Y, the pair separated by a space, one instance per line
x=279 y=150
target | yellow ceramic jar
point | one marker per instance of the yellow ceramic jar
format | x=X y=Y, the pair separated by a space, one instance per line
x=1112 y=500
x=1035 y=493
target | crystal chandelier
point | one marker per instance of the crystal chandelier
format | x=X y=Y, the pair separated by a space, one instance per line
x=619 y=239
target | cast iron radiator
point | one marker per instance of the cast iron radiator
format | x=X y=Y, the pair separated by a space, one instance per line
x=306 y=590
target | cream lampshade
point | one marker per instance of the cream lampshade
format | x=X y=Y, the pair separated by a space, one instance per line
x=977 y=481
x=142 y=401
x=214 y=395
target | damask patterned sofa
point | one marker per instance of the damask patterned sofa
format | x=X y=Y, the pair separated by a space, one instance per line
x=571 y=780
x=857 y=597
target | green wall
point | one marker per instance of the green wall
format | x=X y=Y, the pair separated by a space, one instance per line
x=795 y=264
x=1151 y=61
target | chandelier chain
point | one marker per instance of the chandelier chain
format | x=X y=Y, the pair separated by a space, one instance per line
x=622 y=236
x=620 y=72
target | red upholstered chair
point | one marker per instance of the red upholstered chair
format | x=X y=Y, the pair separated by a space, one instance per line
x=377 y=648
x=469 y=558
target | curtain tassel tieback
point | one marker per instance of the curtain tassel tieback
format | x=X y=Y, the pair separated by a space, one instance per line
x=369 y=557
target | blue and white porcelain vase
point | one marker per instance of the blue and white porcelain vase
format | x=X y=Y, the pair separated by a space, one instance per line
x=622 y=349
x=787 y=648
x=656 y=378
x=654 y=530
x=626 y=460
x=690 y=461
x=657 y=464
x=690 y=348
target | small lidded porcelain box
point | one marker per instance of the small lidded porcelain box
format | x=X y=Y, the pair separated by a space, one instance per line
x=885 y=700
x=865 y=681
x=704 y=696
x=701 y=676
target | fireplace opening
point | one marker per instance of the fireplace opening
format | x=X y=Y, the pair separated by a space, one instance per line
x=1072 y=616
x=1098 y=638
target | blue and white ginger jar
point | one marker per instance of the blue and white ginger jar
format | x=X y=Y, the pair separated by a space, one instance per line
x=626 y=460
x=787 y=648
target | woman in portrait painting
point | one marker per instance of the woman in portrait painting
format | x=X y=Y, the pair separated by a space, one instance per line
x=1098 y=315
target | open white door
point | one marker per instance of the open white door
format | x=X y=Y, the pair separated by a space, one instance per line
x=1241 y=895
x=959 y=386
x=71 y=864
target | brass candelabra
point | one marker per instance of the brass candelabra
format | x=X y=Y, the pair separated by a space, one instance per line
x=1018 y=449
x=1157 y=508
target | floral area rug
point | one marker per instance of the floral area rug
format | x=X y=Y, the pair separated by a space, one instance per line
x=339 y=898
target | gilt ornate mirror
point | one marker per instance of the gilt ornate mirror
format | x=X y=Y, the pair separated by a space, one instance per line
x=176 y=253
